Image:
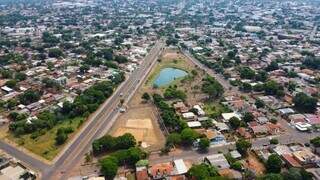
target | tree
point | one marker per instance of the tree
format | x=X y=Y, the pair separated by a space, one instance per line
x=236 y=166
x=259 y=103
x=172 y=41
x=248 y=117
x=84 y=68
x=121 y=59
x=243 y=146
x=61 y=138
x=55 y=53
x=246 y=87
x=274 y=164
x=274 y=141
x=315 y=141
x=109 y=167
x=29 y=97
x=188 y=136
x=261 y=76
x=312 y=62
x=291 y=86
x=204 y=144
x=235 y=122
x=11 y=84
x=247 y=73
x=273 y=88
x=125 y=141
x=272 y=66
x=202 y=171
x=173 y=139
x=172 y=92
x=19 y=76
x=212 y=87
x=146 y=96
x=272 y=176
x=305 y=103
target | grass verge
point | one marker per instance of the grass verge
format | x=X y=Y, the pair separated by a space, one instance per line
x=44 y=145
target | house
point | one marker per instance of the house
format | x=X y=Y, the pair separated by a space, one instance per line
x=305 y=157
x=281 y=149
x=244 y=133
x=290 y=161
x=217 y=160
x=179 y=167
x=6 y=89
x=215 y=137
x=200 y=111
x=222 y=126
x=161 y=171
x=235 y=154
x=12 y=172
x=259 y=130
x=189 y=115
x=302 y=126
x=262 y=119
x=294 y=118
x=312 y=119
x=231 y=174
x=274 y=128
x=142 y=173
x=180 y=107
x=194 y=124
x=227 y=116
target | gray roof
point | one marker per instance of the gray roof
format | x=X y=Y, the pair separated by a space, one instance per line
x=218 y=160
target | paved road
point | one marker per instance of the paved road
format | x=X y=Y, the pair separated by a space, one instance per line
x=224 y=148
x=226 y=85
x=97 y=124
x=106 y=117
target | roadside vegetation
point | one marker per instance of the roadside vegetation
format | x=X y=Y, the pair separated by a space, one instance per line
x=48 y=131
x=118 y=151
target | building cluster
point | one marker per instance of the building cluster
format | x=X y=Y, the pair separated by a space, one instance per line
x=11 y=169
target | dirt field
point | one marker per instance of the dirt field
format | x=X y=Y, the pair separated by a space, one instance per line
x=141 y=122
x=251 y=162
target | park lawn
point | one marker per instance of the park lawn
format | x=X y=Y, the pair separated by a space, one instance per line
x=214 y=109
x=44 y=145
x=178 y=63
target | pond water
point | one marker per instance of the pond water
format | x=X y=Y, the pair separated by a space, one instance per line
x=167 y=75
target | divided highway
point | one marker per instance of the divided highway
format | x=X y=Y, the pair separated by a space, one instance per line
x=97 y=125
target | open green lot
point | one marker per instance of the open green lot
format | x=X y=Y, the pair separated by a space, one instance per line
x=214 y=109
x=44 y=145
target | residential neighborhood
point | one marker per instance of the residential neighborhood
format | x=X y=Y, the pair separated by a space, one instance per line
x=160 y=89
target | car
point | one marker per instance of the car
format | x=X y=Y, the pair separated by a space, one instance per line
x=307 y=144
x=122 y=110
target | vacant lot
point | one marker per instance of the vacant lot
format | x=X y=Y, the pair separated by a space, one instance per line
x=141 y=122
x=44 y=145
x=253 y=163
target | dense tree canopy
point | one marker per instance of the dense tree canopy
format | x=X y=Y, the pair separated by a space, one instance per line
x=243 y=146
x=247 y=73
x=274 y=164
x=212 y=87
x=305 y=103
x=202 y=171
